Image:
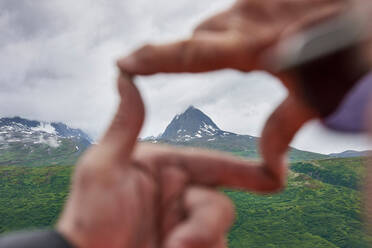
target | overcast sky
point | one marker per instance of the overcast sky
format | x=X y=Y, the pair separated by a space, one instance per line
x=57 y=64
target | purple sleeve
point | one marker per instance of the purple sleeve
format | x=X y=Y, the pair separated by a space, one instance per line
x=351 y=114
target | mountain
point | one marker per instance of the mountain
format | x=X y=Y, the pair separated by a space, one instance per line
x=29 y=142
x=194 y=128
x=190 y=125
x=350 y=154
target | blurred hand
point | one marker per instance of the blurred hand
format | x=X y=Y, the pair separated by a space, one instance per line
x=235 y=38
x=126 y=194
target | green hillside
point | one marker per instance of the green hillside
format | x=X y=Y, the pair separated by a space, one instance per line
x=308 y=214
x=32 y=196
x=347 y=172
x=320 y=207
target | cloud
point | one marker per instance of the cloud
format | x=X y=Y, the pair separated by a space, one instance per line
x=50 y=141
x=57 y=64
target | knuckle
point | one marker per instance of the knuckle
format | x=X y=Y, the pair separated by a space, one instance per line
x=227 y=204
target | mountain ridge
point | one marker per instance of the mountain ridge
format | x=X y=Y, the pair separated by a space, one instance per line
x=30 y=142
x=350 y=154
x=60 y=128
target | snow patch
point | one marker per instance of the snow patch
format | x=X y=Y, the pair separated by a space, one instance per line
x=50 y=141
x=45 y=127
x=198 y=135
x=210 y=127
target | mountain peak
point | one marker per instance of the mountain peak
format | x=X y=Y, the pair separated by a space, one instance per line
x=192 y=123
x=191 y=108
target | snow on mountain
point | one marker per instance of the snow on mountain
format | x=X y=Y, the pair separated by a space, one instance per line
x=17 y=129
x=45 y=127
x=33 y=143
x=192 y=124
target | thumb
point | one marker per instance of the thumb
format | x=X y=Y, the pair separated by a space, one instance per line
x=123 y=131
x=209 y=216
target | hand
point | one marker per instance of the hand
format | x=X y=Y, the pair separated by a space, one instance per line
x=235 y=38
x=126 y=194
x=238 y=38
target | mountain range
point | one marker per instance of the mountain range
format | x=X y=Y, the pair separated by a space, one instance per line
x=321 y=206
x=350 y=154
x=29 y=142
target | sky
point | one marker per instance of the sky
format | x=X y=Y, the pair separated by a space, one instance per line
x=57 y=61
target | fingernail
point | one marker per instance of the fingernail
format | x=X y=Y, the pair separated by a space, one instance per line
x=127 y=63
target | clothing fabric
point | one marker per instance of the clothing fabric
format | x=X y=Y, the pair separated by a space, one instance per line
x=325 y=82
x=37 y=239
x=351 y=114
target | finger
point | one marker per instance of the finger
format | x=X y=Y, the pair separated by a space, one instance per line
x=204 y=52
x=314 y=18
x=210 y=216
x=123 y=131
x=211 y=168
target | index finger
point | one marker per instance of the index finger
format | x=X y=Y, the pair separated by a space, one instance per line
x=122 y=134
x=205 y=52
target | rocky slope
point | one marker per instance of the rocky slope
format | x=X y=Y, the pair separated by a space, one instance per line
x=27 y=142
